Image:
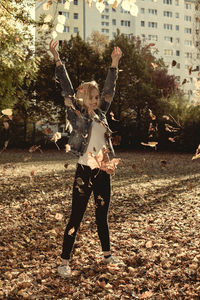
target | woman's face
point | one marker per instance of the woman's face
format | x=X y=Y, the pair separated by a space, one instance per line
x=93 y=101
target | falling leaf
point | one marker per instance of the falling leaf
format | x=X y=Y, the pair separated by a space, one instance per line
x=116 y=140
x=151 y=45
x=165 y=117
x=67 y=5
x=153 y=117
x=61 y=19
x=80 y=181
x=34 y=148
x=54 y=34
x=163 y=163
x=173 y=63
x=190 y=70
x=56 y=136
x=78 y=113
x=171 y=139
x=150 y=144
x=60 y=28
x=79 y=189
x=154 y=65
x=100 y=6
x=113 y=117
x=48 y=18
x=71 y=231
x=66 y=165
x=67 y=148
x=184 y=81
x=6 y=125
x=47 y=5
x=7 y=112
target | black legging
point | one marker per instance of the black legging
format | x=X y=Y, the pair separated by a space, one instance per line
x=86 y=181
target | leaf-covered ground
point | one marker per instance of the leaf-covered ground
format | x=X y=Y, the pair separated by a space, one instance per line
x=154 y=224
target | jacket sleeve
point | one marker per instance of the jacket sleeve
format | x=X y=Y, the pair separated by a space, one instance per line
x=67 y=93
x=109 y=89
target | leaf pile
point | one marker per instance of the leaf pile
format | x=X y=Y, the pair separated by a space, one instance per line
x=154 y=227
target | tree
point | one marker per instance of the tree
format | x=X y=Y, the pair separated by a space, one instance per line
x=98 y=42
x=16 y=54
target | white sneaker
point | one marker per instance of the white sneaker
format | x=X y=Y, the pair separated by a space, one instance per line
x=64 y=271
x=113 y=260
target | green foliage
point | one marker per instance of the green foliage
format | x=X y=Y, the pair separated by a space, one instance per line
x=16 y=54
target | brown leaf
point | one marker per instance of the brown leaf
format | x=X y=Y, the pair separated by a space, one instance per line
x=147 y=294
x=149 y=244
x=6 y=125
x=67 y=148
x=71 y=231
x=171 y=139
x=58 y=216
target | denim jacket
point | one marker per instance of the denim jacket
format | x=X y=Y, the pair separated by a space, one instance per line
x=80 y=120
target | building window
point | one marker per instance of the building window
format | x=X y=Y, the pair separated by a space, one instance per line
x=66 y=28
x=142 y=10
x=188 y=18
x=125 y=23
x=104 y=17
x=75 y=29
x=105 y=30
x=153 y=24
x=176 y=2
x=167 y=1
x=188 y=6
x=76 y=16
x=107 y=10
x=142 y=23
x=75 y=2
x=188 y=42
x=168 y=39
x=188 y=55
x=152 y=37
x=60 y=43
x=178 y=66
x=113 y=34
x=168 y=52
x=188 y=30
x=177 y=53
x=152 y=11
x=114 y=21
x=62 y=1
x=167 y=14
x=177 y=27
x=167 y=26
x=105 y=23
x=177 y=15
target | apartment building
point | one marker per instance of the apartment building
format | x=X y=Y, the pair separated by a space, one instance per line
x=169 y=24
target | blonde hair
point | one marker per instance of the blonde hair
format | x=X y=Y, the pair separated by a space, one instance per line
x=84 y=92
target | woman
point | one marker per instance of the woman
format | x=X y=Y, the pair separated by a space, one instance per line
x=90 y=134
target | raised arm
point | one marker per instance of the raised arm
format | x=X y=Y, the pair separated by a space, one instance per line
x=61 y=73
x=110 y=83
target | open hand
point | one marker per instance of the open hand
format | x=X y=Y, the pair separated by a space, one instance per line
x=116 y=55
x=52 y=48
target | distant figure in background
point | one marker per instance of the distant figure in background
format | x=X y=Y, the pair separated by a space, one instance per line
x=86 y=116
